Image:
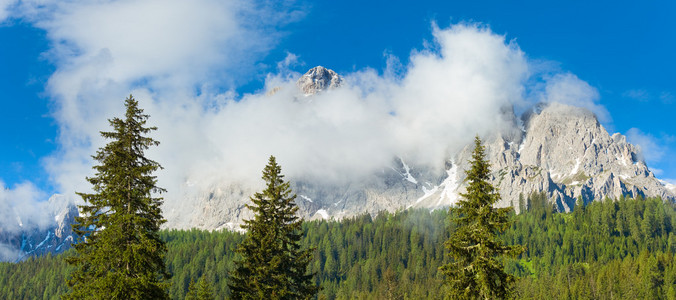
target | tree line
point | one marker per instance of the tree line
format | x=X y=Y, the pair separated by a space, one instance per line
x=398 y=255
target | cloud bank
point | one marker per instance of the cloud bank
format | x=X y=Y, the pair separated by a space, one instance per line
x=22 y=208
x=180 y=60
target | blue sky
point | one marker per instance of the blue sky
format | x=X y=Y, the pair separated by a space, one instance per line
x=623 y=49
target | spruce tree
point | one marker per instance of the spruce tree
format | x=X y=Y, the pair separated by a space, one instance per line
x=273 y=265
x=204 y=290
x=192 y=291
x=119 y=254
x=201 y=291
x=476 y=271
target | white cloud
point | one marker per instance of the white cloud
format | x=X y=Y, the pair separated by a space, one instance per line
x=447 y=97
x=176 y=57
x=8 y=253
x=22 y=207
x=165 y=50
x=289 y=61
x=569 y=89
x=671 y=181
x=665 y=97
x=650 y=147
x=438 y=103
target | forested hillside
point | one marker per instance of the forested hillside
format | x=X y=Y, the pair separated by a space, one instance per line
x=620 y=249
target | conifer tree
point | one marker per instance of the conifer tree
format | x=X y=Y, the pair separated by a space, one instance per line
x=202 y=291
x=192 y=291
x=273 y=265
x=119 y=254
x=476 y=272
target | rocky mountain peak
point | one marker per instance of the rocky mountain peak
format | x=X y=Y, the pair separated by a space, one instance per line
x=568 y=154
x=318 y=79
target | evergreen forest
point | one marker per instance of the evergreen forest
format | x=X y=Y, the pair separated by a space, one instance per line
x=622 y=249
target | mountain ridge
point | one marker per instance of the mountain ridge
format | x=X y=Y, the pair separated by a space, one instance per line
x=559 y=149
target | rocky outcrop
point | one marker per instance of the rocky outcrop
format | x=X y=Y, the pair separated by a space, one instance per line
x=318 y=79
x=568 y=154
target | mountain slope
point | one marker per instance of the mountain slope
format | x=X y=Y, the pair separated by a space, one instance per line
x=561 y=150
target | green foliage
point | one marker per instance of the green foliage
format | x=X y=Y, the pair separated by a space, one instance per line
x=273 y=265
x=203 y=290
x=567 y=257
x=119 y=254
x=475 y=247
x=192 y=291
x=608 y=249
x=200 y=254
x=35 y=278
x=408 y=243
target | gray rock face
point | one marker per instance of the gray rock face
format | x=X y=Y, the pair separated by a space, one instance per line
x=393 y=187
x=219 y=207
x=318 y=79
x=566 y=153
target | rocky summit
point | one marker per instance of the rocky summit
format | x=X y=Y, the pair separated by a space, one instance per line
x=318 y=79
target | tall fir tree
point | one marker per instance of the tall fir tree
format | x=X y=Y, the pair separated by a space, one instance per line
x=273 y=265
x=119 y=254
x=476 y=271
